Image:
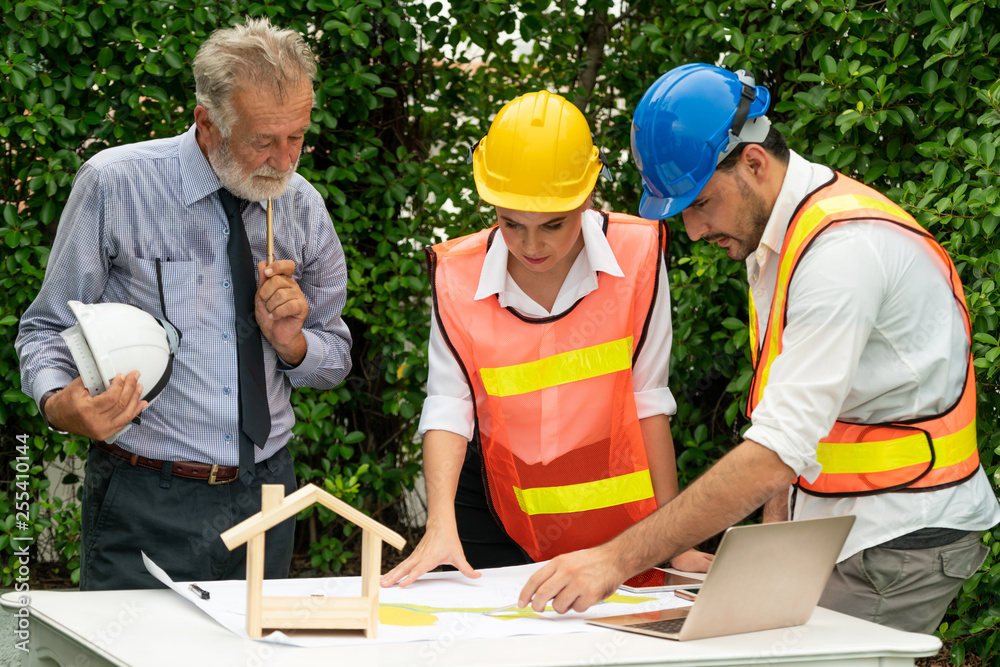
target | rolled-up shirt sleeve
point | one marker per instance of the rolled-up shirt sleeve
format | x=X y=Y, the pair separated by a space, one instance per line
x=829 y=322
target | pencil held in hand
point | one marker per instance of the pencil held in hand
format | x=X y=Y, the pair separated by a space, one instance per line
x=270 y=231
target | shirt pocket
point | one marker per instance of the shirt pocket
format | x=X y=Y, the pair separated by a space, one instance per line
x=179 y=285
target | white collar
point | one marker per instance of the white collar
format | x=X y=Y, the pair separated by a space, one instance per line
x=801 y=178
x=597 y=256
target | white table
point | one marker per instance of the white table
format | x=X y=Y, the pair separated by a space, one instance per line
x=154 y=628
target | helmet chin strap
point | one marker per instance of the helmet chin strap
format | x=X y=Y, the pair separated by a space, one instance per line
x=174 y=342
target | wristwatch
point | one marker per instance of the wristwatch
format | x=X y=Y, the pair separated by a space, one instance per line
x=41 y=408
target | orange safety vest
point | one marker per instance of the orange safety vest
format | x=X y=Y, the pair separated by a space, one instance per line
x=565 y=465
x=918 y=454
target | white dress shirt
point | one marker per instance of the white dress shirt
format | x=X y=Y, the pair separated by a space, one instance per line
x=873 y=334
x=449 y=405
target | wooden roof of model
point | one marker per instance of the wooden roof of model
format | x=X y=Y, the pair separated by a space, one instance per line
x=292 y=504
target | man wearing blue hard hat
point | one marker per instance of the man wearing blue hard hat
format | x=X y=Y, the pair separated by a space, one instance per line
x=863 y=398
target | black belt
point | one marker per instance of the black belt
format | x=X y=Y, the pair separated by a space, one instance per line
x=925 y=538
x=213 y=473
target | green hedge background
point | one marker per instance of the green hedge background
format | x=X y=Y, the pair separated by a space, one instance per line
x=903 y=95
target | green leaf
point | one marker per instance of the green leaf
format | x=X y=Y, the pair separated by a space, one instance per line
x=940 y=10
x=353 y=437
x=957 y=10
x=939 y=173
x=97 y=18
x=900 y=44
x=173 y=60
x=360 y=38
x=14 y=396
x=958 y=653
x=731 y=412
x=105 y=56
x=983 y=73
x=987 y=151
x=737 y=40
x=929 y=81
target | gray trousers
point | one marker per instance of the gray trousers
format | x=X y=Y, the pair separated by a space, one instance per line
x=907 y=589
x=176 y=521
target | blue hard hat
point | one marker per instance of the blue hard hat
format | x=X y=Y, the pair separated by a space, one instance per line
x=684 y=125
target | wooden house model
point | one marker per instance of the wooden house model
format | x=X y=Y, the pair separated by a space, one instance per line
x=280 y=613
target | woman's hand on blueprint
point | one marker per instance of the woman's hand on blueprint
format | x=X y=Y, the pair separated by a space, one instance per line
x=439 y=546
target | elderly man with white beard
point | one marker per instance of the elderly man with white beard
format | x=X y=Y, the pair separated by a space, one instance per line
x=177 y=227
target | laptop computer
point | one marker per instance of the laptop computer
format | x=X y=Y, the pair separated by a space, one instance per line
x=763 y=577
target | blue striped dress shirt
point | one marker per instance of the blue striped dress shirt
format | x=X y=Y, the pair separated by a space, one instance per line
x=134 y=204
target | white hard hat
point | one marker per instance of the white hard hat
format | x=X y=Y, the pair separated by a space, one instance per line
x=114 y=338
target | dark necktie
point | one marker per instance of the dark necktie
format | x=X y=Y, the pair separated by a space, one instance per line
x=255 y=413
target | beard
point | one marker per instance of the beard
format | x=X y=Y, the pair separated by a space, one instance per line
x=244 y=185
x=753 y=217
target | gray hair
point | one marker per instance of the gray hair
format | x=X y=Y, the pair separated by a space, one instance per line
x=254 y=53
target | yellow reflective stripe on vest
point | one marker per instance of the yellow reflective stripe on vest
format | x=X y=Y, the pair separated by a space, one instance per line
x=839 y=204
x=586 y=496
x=558 y=369
x=808 y=221
x=880 y=456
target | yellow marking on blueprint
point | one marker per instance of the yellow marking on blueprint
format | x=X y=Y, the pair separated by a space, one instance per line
x=419 y=615
x=401 y=616
x=416 y=615
x=518 y=613
x=628 y=599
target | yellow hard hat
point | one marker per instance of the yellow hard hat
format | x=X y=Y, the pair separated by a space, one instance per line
x=539 y=155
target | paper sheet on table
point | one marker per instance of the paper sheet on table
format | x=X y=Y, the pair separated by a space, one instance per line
x=440 y=606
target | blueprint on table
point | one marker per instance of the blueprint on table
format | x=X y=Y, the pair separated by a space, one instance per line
x=439 y=606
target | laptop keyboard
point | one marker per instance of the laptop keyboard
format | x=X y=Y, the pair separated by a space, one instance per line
x=668 y=626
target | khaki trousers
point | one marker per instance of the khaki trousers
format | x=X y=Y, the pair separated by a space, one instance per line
x=907 y=589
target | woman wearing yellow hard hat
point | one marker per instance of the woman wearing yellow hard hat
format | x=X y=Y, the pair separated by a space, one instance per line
x=546 y=422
